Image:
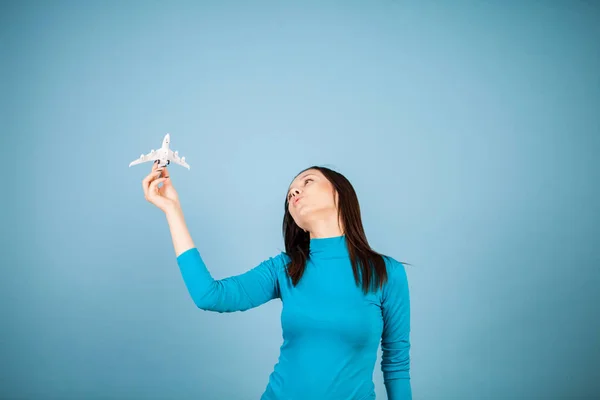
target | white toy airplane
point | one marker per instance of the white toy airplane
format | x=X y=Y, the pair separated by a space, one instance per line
x=164 y=155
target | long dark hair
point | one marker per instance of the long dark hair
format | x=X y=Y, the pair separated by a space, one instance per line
x=297 y=242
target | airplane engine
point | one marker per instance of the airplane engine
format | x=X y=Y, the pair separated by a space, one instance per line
x=176 y=152
x=141 y=155
x=182 y=159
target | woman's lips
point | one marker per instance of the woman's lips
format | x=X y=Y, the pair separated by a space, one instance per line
x=297 y=200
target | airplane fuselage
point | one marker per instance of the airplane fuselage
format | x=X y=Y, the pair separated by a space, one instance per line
x=164 y=152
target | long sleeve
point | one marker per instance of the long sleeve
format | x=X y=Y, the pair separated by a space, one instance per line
x=395 y=339
x=235 y=293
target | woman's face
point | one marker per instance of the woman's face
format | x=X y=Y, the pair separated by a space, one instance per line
x=311 y=198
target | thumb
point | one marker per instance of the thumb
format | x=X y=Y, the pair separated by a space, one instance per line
x=167 y=181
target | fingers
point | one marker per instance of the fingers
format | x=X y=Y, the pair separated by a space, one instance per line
x=163 y=169
x=148 y=180
x=153 y=187
x=163 y=172
x=155 y=167
x=151 y=181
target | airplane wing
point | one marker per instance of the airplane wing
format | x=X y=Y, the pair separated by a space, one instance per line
x=153 y=155
x=173 y=156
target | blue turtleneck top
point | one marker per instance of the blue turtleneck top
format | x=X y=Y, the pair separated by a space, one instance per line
x=331 y=329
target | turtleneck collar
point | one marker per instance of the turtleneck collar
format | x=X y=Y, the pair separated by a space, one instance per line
x=331 y=247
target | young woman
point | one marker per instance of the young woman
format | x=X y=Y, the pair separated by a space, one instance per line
x=340 y=298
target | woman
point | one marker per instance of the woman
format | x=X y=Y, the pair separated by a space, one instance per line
x=332 y=319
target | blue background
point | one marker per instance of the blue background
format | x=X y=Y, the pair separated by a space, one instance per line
x=470 y=131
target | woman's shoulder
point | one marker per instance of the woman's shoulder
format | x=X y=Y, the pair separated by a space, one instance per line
x=396 y=271
x=392 y=263
x=278 y=261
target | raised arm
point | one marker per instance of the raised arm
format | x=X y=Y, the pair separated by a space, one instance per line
x=395 y=339
x=236 y=293
x=182 y=240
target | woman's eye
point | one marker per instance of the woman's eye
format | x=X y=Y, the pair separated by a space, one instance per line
x=306 y=180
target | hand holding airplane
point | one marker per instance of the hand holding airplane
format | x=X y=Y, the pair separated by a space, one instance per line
x=164 y=197
x=164 y=155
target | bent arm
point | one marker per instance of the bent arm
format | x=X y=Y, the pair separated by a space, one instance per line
x=235 y=293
